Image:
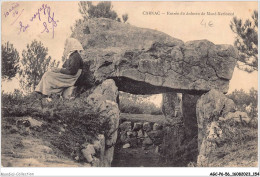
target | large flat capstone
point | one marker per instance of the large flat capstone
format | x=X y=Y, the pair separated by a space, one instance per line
x=145 y=61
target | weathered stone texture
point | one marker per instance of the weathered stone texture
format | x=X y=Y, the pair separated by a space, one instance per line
x=119 y=56
x=140 y=134
x=171 y=105
x=151 y=58
x=103 y=101
x=210 y=107
x=218 y=123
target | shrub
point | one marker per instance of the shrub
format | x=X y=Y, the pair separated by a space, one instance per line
x=10 y=61
x=246 y=102
x=83 y=125
x=131 y=109
x=74 y=112
x=101 y=10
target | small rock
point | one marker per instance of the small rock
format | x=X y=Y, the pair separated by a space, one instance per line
x=140 y=134
x=129 y=133
x=137 y=126
x=157 y=149
x=34 y=122
x=126 y=146
x=156 y=126
x=147 y=141
x=95 y=162
x=97 y=145
x=145 y=134
x=123 y=137
x=147 y=127
x=125 y=126
x=90 y=148
x=62 y=129
x=88 y=152
x=77 y=158
x=65 y=125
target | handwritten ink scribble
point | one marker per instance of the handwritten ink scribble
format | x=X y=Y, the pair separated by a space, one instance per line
x=206 y=24
x=17 y=17
x=14 y=6
x=38 y=13
x=15 y=13
x=22 y=27
x=45 y=28
x=45 y=10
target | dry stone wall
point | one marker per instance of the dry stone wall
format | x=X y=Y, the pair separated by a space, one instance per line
x=140 y=134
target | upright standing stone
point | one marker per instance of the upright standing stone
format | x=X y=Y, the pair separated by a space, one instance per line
x=212 y=110
x=174 y=133
x=169 y=103
x=209 y=108
x=103 y=101
x=189 y=114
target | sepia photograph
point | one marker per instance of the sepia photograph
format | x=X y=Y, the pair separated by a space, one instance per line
x=129 y=84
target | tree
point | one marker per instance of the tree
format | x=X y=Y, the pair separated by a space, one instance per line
x=34 y=64
x=246 y=42
x=10 y=60
x=137 y=104
x=246 y=102
x=125 y=17
x=83 y=8
x=101 y=10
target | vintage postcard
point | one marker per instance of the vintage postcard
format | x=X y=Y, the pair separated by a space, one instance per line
x=129 y=84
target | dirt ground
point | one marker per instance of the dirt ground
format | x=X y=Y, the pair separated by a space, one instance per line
x=135 y=157
x=32 y=147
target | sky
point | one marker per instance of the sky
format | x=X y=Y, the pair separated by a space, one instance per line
x=215 y=28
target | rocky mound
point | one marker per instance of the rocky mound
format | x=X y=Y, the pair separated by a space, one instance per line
x=145 y=61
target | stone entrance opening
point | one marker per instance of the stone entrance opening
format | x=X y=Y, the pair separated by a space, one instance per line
x=149 y=135
x=140 y=132
x=144 y=61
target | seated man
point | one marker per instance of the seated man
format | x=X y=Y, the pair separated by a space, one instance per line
x=57 y=79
